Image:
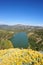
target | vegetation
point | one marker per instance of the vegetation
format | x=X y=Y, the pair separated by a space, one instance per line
x=5 y=44
x=17 y=56
x=20 y=57
x=35 y=38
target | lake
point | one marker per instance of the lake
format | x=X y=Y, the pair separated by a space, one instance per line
x=20 y=40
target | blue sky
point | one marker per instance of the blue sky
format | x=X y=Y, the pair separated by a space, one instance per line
x=21 y=12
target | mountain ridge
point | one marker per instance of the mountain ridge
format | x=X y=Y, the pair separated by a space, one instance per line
x=19 y=26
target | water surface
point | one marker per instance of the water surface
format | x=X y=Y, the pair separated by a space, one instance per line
x=20 y=40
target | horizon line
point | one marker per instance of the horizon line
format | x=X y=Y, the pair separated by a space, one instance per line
x=21 y=24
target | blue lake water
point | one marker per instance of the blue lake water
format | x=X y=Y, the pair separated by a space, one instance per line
x=20 y=40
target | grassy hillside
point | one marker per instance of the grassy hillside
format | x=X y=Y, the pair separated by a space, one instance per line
x=5 y=44
x=35 y=38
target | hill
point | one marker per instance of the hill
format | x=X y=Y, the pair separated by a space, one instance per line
x=34 y=33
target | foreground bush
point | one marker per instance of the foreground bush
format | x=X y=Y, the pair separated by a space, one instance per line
x=20 y=57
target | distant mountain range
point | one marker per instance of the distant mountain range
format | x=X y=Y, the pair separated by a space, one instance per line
x=19 y=26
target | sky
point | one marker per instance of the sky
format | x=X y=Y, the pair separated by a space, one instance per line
x=29 y=12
